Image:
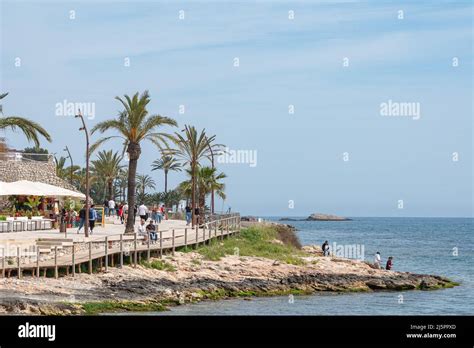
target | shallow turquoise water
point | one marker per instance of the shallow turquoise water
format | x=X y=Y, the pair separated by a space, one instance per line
x=418 y=245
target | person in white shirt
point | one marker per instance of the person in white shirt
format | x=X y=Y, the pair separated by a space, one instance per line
x=143 y=211
x=112 y=207
x=377 y=260
x=142 y=229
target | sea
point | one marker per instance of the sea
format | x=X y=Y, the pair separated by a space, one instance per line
x=441 y=246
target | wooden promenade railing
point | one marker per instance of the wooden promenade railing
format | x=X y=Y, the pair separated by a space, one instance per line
x=111 y=250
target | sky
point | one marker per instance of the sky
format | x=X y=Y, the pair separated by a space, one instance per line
x=305 y=97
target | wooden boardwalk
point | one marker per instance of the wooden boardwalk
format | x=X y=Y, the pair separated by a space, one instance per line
x=113 y=250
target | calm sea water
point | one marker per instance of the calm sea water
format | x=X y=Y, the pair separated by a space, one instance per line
x=418 y=245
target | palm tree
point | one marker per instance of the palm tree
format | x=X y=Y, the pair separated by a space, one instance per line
x=207 y=180
x=192 y=148
x=64 y=172
x=30 y=129
x=122 y=180
x=107 y=167
x=166 y=163
x=170 y=198
x=144 y=182
x=80 y=180
x=134 y=124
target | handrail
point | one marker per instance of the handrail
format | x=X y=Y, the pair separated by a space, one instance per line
x=231 y=223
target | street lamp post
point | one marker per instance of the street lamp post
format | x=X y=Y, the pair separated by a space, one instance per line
x=84 y=128
x=70 y=157
x=212 y=192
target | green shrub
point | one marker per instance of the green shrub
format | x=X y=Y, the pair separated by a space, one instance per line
x=159 y=265
x=253 y=241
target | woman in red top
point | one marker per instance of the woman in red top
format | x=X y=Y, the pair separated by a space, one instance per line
x=162 y=210
x=120 y=212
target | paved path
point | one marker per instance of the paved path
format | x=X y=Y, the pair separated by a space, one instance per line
x=112 y=227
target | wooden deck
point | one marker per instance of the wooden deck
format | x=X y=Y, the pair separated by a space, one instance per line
x=113 y=250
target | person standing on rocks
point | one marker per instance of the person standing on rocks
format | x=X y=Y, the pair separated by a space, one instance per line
x=325 y=248
x=389 y=263
x=377 y=260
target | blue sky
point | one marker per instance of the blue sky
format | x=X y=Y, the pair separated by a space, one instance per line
x=282 y=62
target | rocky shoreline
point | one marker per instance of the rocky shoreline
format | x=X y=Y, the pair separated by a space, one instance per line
x=190 y=278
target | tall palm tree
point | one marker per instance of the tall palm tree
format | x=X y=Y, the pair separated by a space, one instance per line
x=134 y=124
x=166 y=163
x=192 y=148
x=144 y=182
x=107 y=167
x=30 y=129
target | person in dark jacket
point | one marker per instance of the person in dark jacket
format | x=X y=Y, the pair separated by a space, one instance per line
x=196 y=214
x=189 y=214
x=325 y=248
x=82 y=218
x=389 y=264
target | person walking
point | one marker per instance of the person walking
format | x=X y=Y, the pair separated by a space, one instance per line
x=154 y=218
x=106 y=207
x=92 y=218
x=164 y=212
x=111 y=207
x=189 y=214
x=82 y=218
x=120 y=213
x=159 y=215
x=196 y=214
x=377 y=260
x=143 y=211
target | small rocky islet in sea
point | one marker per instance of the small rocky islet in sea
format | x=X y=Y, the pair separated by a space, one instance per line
x=318 y=217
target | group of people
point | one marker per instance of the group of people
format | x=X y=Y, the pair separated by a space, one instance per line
x=377 y=259
x=121 y=211
x=111 y=208
x=157 y=213
x=148 y=230
x=189 y=214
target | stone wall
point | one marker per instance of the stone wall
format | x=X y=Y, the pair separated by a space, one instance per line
x=44 y=172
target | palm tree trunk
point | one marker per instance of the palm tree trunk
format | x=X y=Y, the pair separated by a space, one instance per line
x=166 y=181
x=134 y=153
x=110 y=183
